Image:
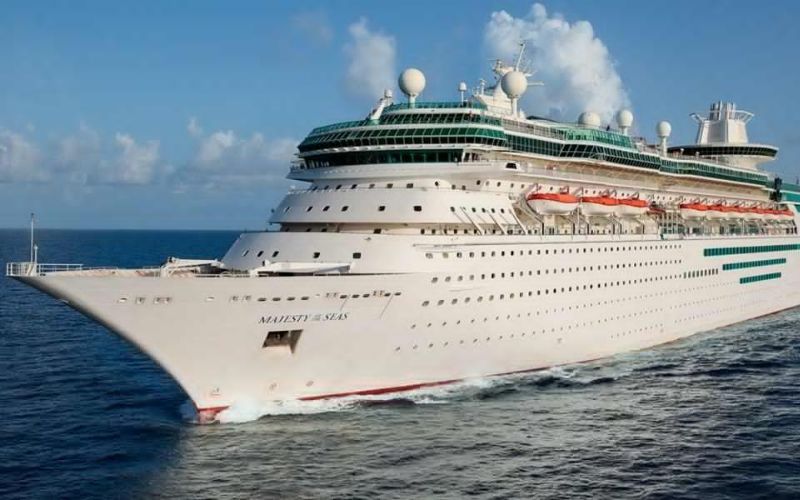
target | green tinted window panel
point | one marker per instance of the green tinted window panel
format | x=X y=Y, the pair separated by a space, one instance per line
x=760 y=277
x=372 y=157
x=754 y=263
x=789 y=196
x=715 y=252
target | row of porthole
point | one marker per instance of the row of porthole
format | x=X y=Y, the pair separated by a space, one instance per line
x=644 y=329
x=717 y=311
x=316 y=255
x=327 y=187
x=630 y=315
x=576 y=288
x=554 y=311
x=532 y=334
x=345 y=208
x=249 y=298
x=410 y=185
x=469 y=230
x=700 y=273
x=521 y=253
x=713 y=299
x=246 y=298
x=602 y=303
x=521 y=274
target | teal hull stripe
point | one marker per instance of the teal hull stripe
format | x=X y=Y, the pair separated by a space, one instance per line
x=753 y=263
x=760 y=277
x=716 y=252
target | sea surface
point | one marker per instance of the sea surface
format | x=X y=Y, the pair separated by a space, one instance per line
x=84 y=415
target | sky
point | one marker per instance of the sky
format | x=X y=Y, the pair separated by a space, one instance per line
x=185 y=114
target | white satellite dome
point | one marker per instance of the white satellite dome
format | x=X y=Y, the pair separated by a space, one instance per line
x=663 y=129
x=514 y=84
x=624 y=118
x=411 y=82
x=589 y=119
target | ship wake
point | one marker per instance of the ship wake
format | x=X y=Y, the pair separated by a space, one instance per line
x=475 y=389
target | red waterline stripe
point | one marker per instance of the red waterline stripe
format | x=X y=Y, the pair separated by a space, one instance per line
x=382 y=390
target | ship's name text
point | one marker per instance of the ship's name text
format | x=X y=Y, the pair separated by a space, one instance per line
x=301 y=318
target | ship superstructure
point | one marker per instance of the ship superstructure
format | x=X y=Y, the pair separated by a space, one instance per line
x=438 y=241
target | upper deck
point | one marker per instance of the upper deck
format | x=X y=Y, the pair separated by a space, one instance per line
x=430 y=132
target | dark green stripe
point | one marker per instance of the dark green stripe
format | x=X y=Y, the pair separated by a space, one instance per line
x=753 y=263
x=760 y=277
x=716 y=252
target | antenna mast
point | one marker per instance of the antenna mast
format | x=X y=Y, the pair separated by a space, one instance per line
x=32 y=245
x=519 y=56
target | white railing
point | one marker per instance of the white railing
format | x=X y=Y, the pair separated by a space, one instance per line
x=36 y=269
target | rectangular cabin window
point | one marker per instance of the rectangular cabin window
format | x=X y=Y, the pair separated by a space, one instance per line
x=285 y=338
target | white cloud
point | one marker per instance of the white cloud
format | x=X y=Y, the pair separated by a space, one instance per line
x=88 y=158
x=194 y=128
x=134 y=163
x=371 y=61
x=575 y=66
x=20 y=159
x=77 y=155
x=314 y=25
x=224 y=157
x=81 y=158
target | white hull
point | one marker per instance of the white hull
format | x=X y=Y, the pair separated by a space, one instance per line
x=482 y=316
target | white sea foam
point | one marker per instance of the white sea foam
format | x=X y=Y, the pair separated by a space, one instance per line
x=249 y=410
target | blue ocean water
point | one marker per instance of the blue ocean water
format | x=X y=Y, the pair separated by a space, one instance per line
x=84 y=415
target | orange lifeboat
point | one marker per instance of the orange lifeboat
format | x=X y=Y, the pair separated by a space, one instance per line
x=771 y=214
x=718 y=211
x=599 y=205
x=552 y=203
x=693 y=210
x=739 y=211
x=753 y=213
x=632 y=206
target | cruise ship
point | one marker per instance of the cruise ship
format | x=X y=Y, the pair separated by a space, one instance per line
x=434 y=242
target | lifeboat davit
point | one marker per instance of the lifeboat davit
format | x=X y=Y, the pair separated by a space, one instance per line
x=552 y=203
x=693 y=210
x=632 y=206
x=599 y=205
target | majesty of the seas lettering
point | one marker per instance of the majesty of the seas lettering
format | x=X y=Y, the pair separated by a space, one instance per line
x=300 y=318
